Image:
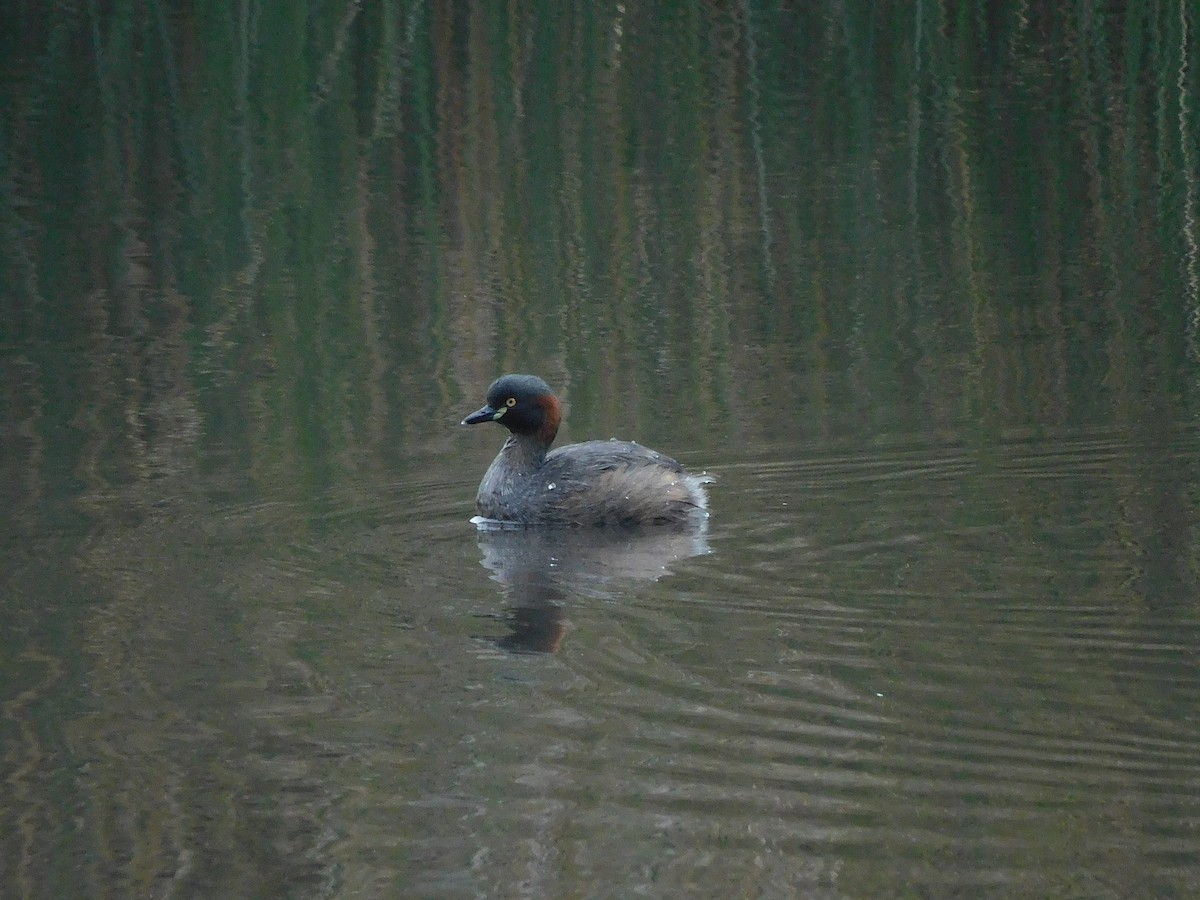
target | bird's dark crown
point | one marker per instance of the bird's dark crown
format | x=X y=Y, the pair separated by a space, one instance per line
x=526 y=405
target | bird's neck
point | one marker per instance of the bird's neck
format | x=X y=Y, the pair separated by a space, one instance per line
x=525 y=452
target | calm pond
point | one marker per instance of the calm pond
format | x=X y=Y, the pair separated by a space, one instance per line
x=918 y=285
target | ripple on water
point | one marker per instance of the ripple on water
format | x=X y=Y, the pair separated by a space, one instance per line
x=913 y=654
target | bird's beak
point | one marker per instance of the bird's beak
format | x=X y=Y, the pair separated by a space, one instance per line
x=487 y=414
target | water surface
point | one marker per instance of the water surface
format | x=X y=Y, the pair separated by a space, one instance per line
x=919 y=287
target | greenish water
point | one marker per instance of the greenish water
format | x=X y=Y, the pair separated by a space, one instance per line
x=920 y=286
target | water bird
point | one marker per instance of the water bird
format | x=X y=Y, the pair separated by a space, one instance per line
x=593 y=483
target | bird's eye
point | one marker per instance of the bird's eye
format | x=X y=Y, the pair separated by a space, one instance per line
x=510 y=402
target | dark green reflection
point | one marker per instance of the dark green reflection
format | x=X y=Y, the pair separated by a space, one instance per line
x=268 y=252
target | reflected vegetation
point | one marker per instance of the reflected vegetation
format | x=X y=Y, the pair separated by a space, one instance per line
x=316 y=228
x=920 y=282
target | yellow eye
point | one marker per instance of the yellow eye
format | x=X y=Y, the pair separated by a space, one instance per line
x=510 y=402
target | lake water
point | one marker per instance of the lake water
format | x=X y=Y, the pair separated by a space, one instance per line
x=919 y=287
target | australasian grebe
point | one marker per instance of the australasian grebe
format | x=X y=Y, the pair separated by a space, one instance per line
x=594 y=483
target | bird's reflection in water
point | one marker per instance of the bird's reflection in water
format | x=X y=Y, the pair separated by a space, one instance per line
x=537 y=627
x=540 y=568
